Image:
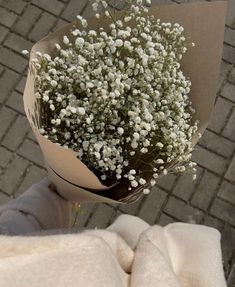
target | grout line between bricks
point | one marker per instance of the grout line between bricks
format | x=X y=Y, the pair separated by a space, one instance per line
x=23 y=157
x=93 y=210
x=196 y=185
x=13 y=109
x=221 y=135
x=20 y=180
x=213 y=151
x=169 y=194
x=9 y=127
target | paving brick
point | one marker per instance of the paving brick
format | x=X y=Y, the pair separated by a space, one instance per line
x=227 y=241
x=20 y=87
x=230 y=174
x=227 y=191
x=152 y=205
x=5 y=156
x=210 y=160
x=217 y=144
x=220 y=83
x=186 y=1
x=13 y=175
x=228 y=92
x=88 y=11
x=131 y=208
x=15 y=6
x=7 y=116
x=166 y=182
x=73 y=9
x=161 y=2
x=61 y=23
x=16 y=134
x=101 y=217
x=213 y=222
x=223 y=210
x=4 y=198
x=231 y=77
x=33 y=174
x=7 y=18
x=205 y=190
x=52 y=6
x=1 y=70
x=119 y=5
x=225 y=68
x=27 y=20
x=231 y=278
x=15 y=101
x=165 y=220
x=229 y=53
x=182 y=211
x=219 y=115
x=17 y=43
x=229 y=130
x=3 y=33
x=31 y=136
x=229 y=36
x=230 y=19
x=43 y=27
x=12 y=60
x=185 y=185
x=7 y=83
x=32 y=152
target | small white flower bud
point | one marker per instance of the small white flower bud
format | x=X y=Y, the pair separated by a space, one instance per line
x=120 y=131
x=95 y=6
x=103 y=177
x=53 y=83
x=67 y=135
x=52 y=107
x=81 y=111
x=146 y=191
x=73 y=110
x=25 y=52
x=79 y=41
x=134 y=183
x=119 y=42
x=58 y=122
x=45 y=98
x=142 y=181
x=66 y=40
x=132 y=171
x=152 y=182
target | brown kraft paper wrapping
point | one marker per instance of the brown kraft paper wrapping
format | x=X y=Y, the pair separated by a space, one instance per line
x=204 y=25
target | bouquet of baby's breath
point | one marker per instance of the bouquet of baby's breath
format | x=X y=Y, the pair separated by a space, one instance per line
x=118 y=96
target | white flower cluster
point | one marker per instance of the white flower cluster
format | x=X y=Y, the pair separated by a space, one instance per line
x=118 y=97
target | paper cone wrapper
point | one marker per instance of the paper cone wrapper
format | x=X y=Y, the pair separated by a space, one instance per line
x=204 y=25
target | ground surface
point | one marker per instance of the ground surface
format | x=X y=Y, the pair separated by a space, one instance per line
x=210 y=200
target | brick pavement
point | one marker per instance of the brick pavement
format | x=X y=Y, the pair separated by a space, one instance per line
x=210 y=200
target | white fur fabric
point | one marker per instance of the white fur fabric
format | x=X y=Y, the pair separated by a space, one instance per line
x=129 y=254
